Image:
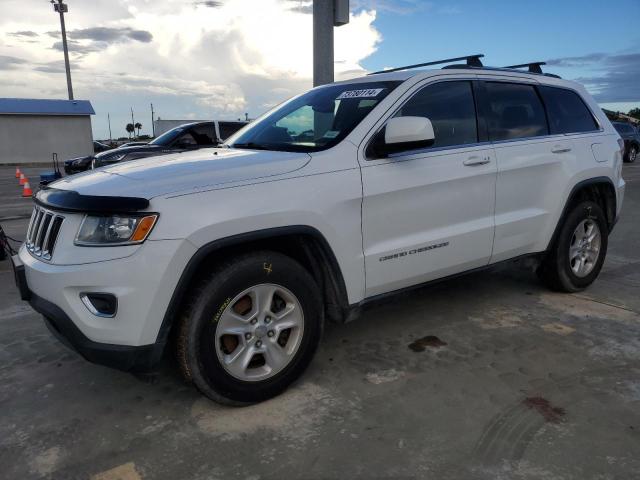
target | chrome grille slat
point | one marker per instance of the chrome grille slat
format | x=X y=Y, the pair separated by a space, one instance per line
x=43 y=231
x=44 y=225
x=33 y=214
x=45 y=241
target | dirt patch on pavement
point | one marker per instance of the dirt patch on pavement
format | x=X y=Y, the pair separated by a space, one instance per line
x=543 y=407
x=498 y=318
x=430 y=341
x=296 y=415
x=384 y=376
x=580 y=306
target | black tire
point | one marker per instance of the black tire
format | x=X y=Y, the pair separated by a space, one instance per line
x=632 y=154
x=555 y=270
x=196 y=351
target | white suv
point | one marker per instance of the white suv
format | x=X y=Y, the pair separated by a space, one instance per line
x=235 y=256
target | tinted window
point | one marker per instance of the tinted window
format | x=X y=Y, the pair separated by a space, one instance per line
x=185 y=140
x=450 y=107
x=229 y=128
x=203 y=134
x=567 y=112
x=515 y=111
x=622 y=128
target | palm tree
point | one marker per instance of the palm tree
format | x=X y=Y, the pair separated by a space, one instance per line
x=130 y=129
x=138 y=126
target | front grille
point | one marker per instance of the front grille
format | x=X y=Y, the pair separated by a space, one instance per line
x=43 y=232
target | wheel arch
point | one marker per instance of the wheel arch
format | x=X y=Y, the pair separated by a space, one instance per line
x=598 y=189
x=303 y=243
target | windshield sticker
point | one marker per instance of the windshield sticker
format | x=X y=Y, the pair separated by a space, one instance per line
x=331 y=134
x=365 y=93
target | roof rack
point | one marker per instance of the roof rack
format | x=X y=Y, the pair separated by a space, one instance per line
x=472 y=61
x=534 y=67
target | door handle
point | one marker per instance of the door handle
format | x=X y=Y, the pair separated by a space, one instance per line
x=560 y=149
x=475 y=160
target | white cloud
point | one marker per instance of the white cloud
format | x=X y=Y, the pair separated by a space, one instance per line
x=222 y=60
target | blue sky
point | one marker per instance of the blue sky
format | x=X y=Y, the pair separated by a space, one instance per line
x=511 y=32
x=203 y=59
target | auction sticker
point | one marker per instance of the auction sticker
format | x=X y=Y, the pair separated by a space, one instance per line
x=365 y=93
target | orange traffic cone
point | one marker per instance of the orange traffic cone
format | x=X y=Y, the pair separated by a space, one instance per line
x=17 y=172
x=23 y=179
x=26 y=190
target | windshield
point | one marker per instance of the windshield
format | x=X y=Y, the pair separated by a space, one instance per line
x=167 y=137
x=315 y=120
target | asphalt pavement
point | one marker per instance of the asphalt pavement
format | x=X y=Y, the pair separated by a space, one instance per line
x=488 y=376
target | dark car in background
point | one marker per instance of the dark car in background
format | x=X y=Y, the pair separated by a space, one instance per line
x=80 y=164
x=189 y=136
x=631 y=137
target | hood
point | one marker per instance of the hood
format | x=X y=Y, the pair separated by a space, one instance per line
x=183 y=172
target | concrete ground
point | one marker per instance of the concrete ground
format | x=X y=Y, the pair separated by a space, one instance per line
x=489 y=376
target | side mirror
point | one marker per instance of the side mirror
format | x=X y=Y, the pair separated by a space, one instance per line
x=402 y=134
x=409 y=130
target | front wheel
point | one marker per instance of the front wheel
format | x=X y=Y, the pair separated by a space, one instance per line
x=633 y=154
x=576 y=257
x=250 y=329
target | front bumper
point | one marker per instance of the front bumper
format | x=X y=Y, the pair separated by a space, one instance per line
x=143 y=284
x=122 y=357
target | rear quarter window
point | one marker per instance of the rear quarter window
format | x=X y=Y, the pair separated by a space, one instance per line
x=567 y=111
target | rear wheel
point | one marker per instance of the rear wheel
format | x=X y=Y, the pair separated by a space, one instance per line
x=576 y=258
x=250 y=329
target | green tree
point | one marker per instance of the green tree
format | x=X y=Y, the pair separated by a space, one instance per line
x=130 y=129
x=635 y=113
x=138 y=126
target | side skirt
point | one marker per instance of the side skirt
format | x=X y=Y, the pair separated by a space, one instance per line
x=355 y=309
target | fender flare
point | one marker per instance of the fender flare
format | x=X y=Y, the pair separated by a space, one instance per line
x=207 y=249
x=576 y=188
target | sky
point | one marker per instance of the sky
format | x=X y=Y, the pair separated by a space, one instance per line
x=220 y=59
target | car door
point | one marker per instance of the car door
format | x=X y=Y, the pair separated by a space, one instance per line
x=534 y=166
x=428 y=213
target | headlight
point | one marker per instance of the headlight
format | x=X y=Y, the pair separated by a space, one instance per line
x=115 y=229
x=117 y=158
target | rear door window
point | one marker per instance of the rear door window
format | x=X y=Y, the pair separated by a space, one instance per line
x=567 y=112
x=514 y=111
x=204 y=135
x=229 y=128
x=451 y=109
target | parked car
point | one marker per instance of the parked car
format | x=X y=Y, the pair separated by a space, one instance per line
x=100 y=147
x=631 y=137
x=80 y=164
x=190 y=136
x=237 y=255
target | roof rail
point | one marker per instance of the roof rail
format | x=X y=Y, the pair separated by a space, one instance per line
x=472 y=61
x=534 y=67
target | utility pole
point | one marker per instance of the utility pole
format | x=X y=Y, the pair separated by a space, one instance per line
x=133 y=122
x=326 y=15
x=153 y=127
x=109 y=120
x=62 y=8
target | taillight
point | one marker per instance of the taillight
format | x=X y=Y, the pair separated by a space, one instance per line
x=621 y=145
